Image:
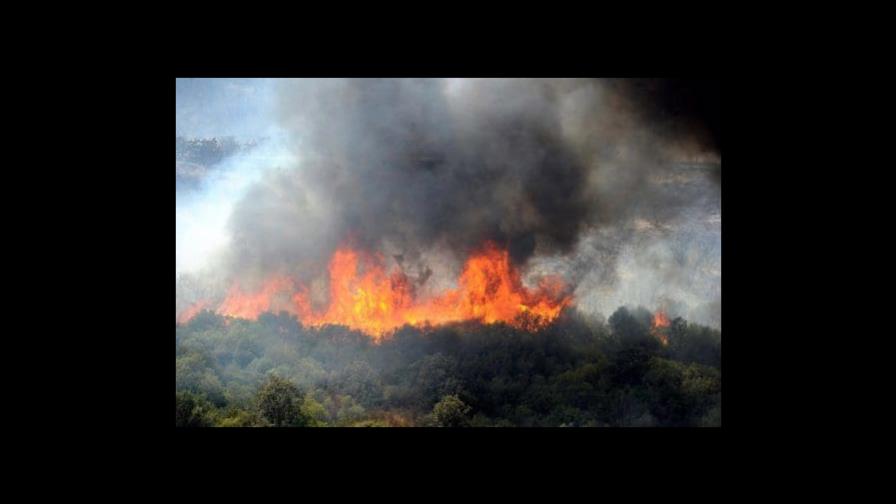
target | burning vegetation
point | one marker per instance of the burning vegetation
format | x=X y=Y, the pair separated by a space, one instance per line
x=660 y=326
x=519 y=213
x=364 y=296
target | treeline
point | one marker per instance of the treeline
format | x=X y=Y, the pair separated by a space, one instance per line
x=576 y=372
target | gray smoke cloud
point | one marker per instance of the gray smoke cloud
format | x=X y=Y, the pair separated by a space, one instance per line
x=580 y=178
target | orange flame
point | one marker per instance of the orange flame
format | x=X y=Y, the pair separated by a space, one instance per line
x=191 y=312
x=660 y=323
x=365 y=297
x=250 y=306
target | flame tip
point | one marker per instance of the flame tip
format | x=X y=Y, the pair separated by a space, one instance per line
x=364 y=297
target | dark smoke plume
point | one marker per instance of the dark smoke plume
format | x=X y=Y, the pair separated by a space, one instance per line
x=399 y=161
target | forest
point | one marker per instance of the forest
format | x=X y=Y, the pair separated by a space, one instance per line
x=579 y=371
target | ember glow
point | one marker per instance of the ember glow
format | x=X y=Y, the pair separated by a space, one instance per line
x=660 y=325
x=363 y=295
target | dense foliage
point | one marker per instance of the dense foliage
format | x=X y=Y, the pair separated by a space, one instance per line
x=576 y=372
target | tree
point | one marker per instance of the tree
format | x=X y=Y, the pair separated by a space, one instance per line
x=280 y=403
x=359 y=380
x=236 y=417
x=451 y=412
x=631 y=326
x=692 y=343
x=576 y=372
x=436 y=378
x=628 y=366
x=668 y=403
x=189 y=411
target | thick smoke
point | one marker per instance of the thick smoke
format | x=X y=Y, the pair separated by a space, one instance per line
x=397 y=163
x=612 y=184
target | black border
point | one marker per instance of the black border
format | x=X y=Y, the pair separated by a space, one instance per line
x=506 y=441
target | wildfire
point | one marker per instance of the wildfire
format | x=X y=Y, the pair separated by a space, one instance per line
x=242 y=305
x=660 y=324
x=191 y=312
x=364 y=296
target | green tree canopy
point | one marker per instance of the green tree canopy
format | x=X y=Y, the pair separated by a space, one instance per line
x=451 y=412
x=190 y=411
x=280 y=403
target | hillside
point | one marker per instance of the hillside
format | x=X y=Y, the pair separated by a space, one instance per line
x=575 y=372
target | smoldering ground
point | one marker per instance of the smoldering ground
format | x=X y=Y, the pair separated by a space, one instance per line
x=598 y=181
